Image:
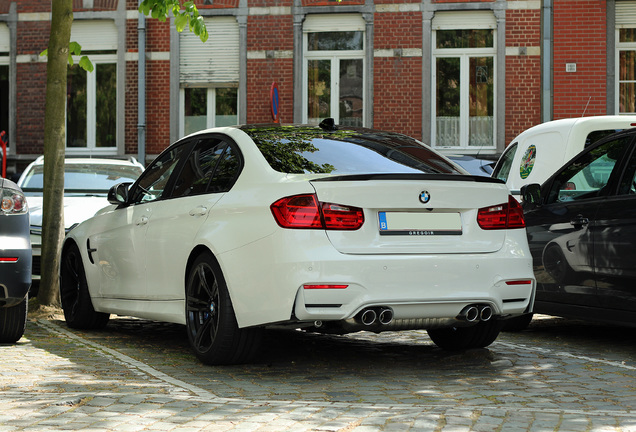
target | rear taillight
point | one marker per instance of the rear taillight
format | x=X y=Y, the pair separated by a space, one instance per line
x=12 y=202
x=8 y=259
x=502 y=216
x=305 y=211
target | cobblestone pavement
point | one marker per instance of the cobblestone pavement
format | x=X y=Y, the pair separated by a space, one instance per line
x=140 y=376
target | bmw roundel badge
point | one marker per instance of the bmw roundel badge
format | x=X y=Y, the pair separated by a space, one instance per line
x=425 y=197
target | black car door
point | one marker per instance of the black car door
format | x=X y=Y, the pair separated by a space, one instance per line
x=561 y=231
x=615 y=243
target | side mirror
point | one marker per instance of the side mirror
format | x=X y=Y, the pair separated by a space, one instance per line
x=531 y=196
x=118 y=194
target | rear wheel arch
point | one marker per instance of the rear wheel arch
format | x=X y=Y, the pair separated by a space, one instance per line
x=211 y=324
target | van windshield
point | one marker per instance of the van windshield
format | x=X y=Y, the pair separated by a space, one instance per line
x=502 y=170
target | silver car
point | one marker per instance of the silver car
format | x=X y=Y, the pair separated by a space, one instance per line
x=15 y=261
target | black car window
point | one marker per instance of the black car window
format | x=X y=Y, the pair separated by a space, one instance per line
x=227 y=171
x=502 y=170
x=303 y=150
x=197 y=170
x=598 y=135
x=587 y=176
x=628 y=182
x=153 y=181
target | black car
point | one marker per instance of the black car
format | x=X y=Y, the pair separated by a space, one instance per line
x=581 y=226
x=15 y=261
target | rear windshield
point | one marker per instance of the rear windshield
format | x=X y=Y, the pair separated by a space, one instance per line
x=310 y=150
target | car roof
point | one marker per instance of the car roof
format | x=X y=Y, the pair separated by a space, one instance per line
x=89 y=161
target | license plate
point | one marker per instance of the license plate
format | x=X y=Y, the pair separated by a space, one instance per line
x=419 y=224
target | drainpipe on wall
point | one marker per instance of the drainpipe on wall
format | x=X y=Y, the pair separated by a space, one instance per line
x=141 y=90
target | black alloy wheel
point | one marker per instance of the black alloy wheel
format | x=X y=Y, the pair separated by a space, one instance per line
x=212 y=328
x=76 y=300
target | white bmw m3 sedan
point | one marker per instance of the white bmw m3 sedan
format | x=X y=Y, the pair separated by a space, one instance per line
x=322 y=228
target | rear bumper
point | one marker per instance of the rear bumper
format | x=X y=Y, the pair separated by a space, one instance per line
x=15 y=277
x=268 y=287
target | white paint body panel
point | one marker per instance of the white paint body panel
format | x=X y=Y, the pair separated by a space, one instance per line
x=141 y=263
x=557 y=142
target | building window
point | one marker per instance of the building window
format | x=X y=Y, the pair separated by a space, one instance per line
x=464 y=84
x=91 y=97
x=209 y=76
x=626 y=71
x=204 y=108
x=334 y=70
x=91 y=107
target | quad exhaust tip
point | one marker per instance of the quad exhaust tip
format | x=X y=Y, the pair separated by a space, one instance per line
x=378 y=315
x=474 y=313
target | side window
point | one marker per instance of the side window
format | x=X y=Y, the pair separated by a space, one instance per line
x=197 y=171
x=153 y=181
x=227 y=171
x=588 y=175
x=502 y=170
x=598 y=135
x=628 y=182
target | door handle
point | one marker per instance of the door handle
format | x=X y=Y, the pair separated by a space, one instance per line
x=198 y=211
x=142 y=221
x=579 y=221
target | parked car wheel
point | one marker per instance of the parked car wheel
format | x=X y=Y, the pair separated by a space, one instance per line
x=517 y=323
x=212 y=328
x=480 y=335
x=557 y=265
x=76 y=301
x=13 y=322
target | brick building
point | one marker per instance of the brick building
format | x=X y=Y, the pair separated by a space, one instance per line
x=463 y=76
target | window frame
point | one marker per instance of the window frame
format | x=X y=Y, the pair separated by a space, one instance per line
x=620 y=47
x=91 y=108
x=210 y=107
x=334 y=56
x=464 y=55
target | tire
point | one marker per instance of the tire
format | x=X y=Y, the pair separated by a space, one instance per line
x=212 y=328
x=13 y=322
x=518 y=323
x=479 y=335
x=76 y=300
x=556 y=265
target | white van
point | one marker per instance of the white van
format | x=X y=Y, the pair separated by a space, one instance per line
x=537 y=153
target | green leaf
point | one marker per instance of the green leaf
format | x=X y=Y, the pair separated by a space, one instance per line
x=74 y=48
x=86 y=64
x=180 y=22
x=44 y=53
x=70 y=60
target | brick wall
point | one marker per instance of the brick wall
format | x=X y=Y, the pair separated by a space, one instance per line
x=157 y=106
x=398 y=95
x=523 y=72
x=270 y=33
x=260 y=76
x=30 y=107
x=573 y=91
x=398 y=79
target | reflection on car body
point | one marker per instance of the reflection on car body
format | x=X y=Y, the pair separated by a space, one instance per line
x=323 y=228
x=581 y=226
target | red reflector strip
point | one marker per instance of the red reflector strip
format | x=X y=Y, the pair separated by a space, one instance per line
x=325 y=286
x=11 y=260
x=519 y=282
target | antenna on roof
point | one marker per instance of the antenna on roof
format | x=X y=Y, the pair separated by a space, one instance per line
x=586 y=105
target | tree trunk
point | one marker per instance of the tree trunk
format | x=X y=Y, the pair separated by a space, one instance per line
x=54 y=147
